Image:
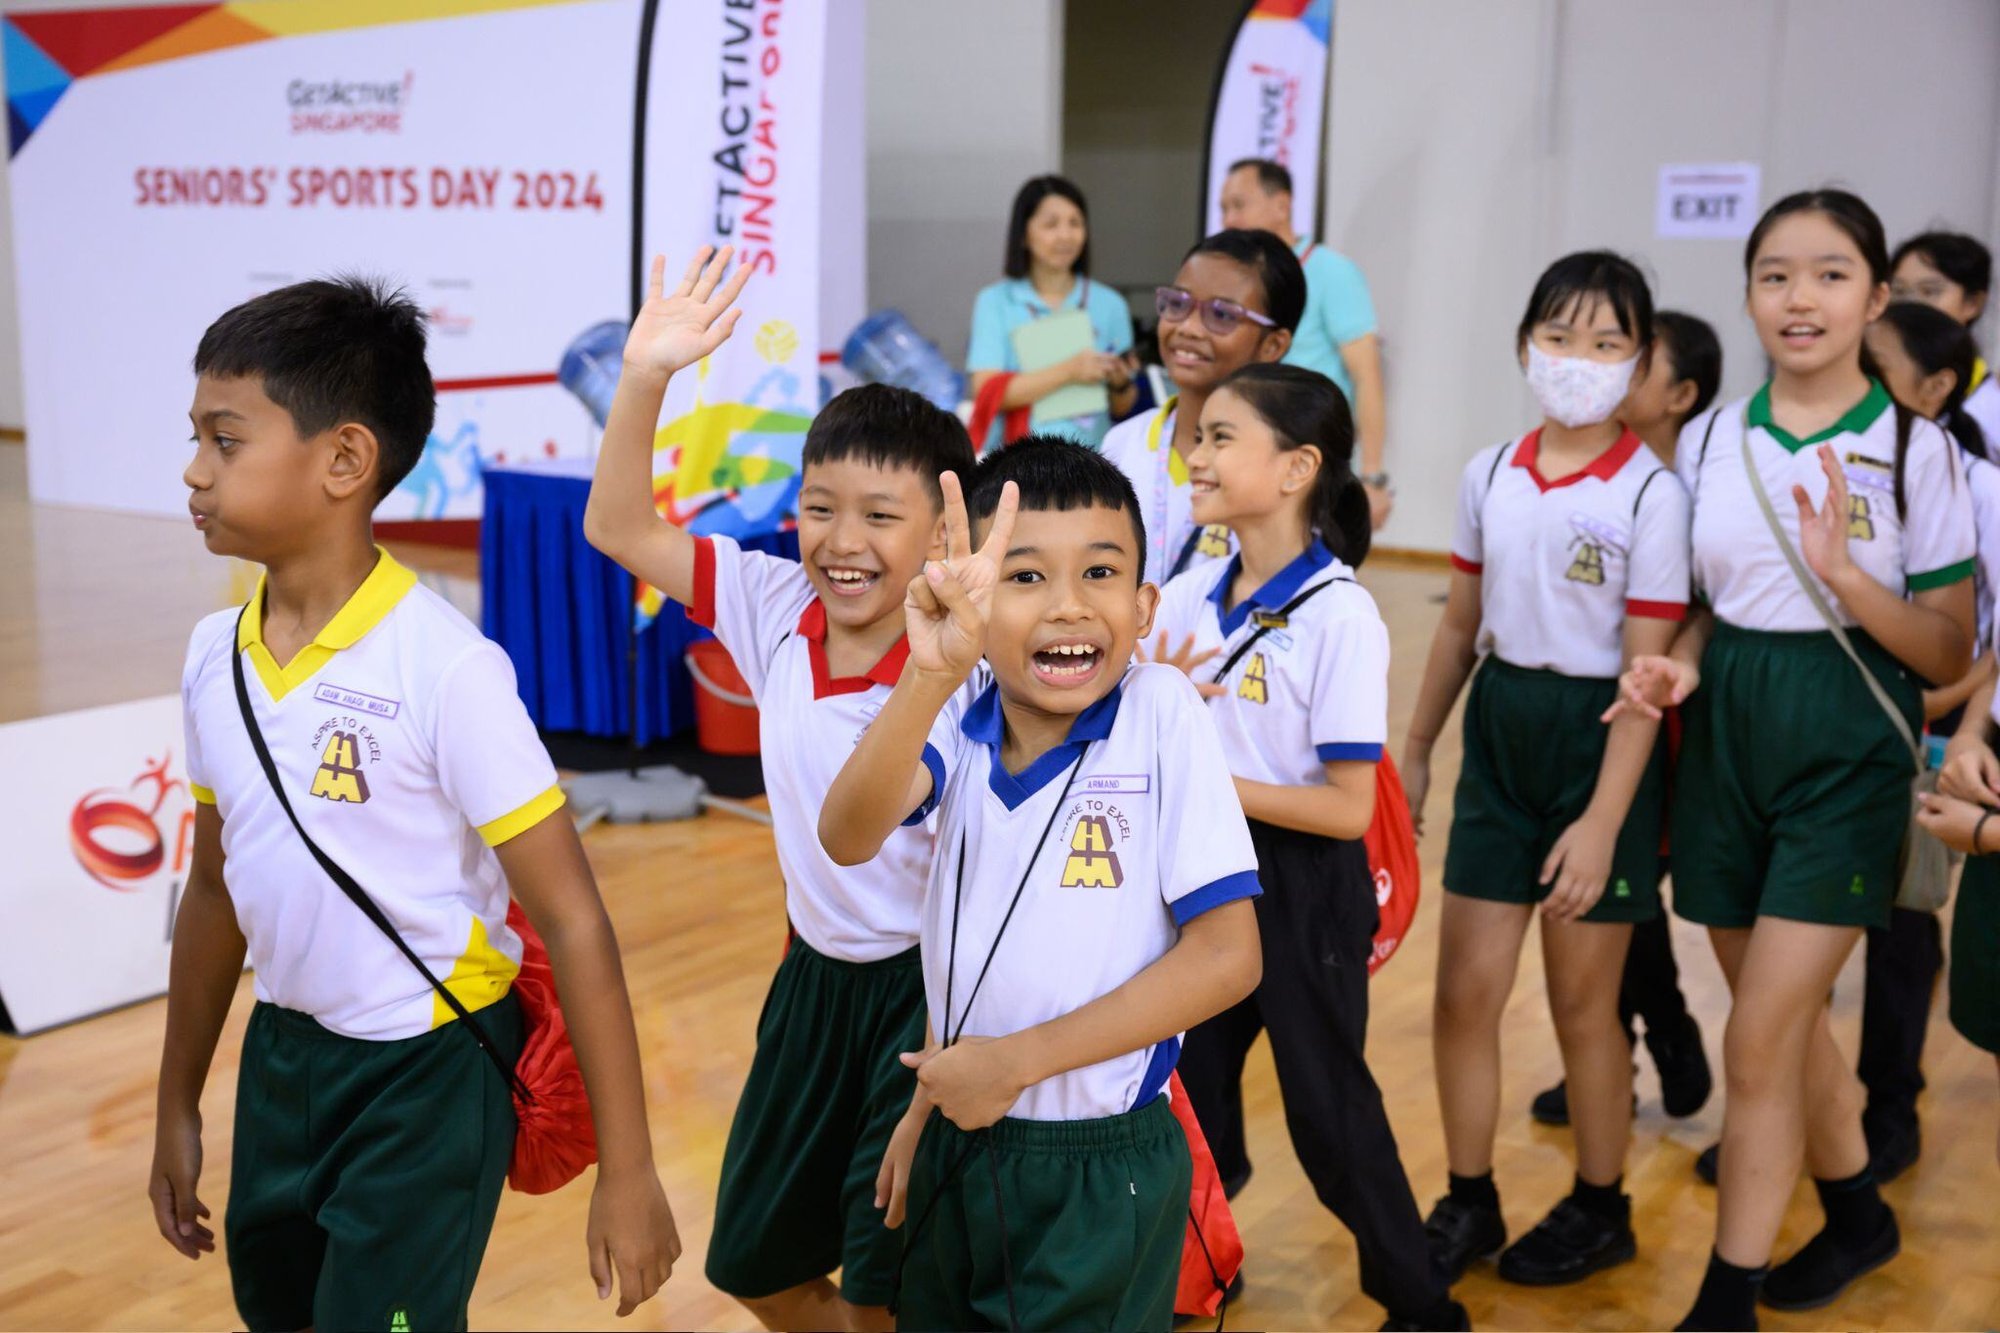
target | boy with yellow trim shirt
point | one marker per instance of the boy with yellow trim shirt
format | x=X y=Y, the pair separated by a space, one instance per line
x=372 y=1133
x=819 y=641
x=1090 y=902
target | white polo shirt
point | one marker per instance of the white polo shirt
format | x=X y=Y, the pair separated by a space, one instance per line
x=1144 y=835
x=1143 y=449
x=1983 y=404
x=1983 y=480
x=1739 y=569
x=1562 y=563
x=765 y=611
x=408 y=756
x=1311 y=691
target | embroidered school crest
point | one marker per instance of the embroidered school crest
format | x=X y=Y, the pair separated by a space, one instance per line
x=1860 y=518
x=346 y=746
x=1091 y=863
x=1587 y=564
x=1254 y=686
x=1214 y=541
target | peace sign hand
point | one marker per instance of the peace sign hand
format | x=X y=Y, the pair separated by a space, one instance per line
x=673 y=332
x=947 y=606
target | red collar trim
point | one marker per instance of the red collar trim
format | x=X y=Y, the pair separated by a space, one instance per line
x=1603 y=467
x=812 y=628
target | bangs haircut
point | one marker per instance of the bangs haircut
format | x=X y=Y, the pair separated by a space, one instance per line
x=1057 y=475
x=1577 y=282
x=1277 y=269
x=1959 y=257
x=330 y=352
x=886 y=427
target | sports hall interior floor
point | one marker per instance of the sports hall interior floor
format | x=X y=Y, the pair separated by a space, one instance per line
x=96 y=608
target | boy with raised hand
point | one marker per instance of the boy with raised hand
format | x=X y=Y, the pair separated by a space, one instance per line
x=1090 y=901
x=819 y=642
x=372 y=1132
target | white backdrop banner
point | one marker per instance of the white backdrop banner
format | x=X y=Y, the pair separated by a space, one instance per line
x=168 y=163
x=1271 y=102
x=98 y=824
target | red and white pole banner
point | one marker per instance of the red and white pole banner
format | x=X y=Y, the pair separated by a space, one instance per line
x=1270 y=102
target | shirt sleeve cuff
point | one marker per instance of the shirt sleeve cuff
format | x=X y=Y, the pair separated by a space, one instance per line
x=935 y=763
x=1349 y=752
x=1242 y=884
x=1656 y=610
x=702 y=612
x=201 y=794
x=513 y=825
x=1939 y=578
x=1464 y=566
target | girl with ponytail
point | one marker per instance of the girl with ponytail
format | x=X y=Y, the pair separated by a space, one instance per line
x=1570 y=559
x=1300 y=698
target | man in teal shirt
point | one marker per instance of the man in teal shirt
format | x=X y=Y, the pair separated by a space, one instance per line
x=1337 y=335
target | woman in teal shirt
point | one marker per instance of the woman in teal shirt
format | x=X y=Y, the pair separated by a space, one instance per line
x=1048 y=270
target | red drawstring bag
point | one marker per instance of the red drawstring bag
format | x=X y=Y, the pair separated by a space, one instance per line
x=1392 y=857
x=985 y=407
x=555 y=1139
x=1212 y=1249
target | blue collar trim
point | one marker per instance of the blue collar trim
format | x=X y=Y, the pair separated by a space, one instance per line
x=1282 y=587
x=983 y=723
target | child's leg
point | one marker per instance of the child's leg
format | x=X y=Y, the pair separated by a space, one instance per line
x=1211 y=1069
x=1585 y=960
x=1479 y=948
x=408 y=1189
x=275 y=1248
x=1650 y=987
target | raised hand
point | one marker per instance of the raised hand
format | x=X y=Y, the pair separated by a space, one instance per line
x=1187 y=659
x=673 y=332
x=1823 y=532
x=1651 y=684
x=947 y=606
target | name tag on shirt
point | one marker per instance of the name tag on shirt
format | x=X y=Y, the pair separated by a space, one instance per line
x=1124 y=784
x=356 y=700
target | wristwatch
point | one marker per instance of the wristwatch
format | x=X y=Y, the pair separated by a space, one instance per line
x=1378 y=480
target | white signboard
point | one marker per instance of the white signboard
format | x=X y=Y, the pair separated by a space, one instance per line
x=1271 y=102
x=1707 y=199
x=98 y=825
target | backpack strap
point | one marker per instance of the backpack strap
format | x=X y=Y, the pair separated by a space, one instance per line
x=1266 y=622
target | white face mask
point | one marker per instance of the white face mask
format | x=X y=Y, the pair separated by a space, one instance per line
x=1577 y=391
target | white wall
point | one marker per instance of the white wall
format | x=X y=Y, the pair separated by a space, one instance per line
x=1473 y=142
x=964 y=103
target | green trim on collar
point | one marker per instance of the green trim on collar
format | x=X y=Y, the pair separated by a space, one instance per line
x=1857 y=419
x=1939 y=578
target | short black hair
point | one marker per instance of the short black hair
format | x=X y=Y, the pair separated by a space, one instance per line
x=1275 y=177
x=1694 y=353
x=1026 y=200
x=1609 y=277
x=1959 y=257
x=887 y=427
x=1054 y=473
x=1936 y=341
x=331 y=351
x=1277 y=269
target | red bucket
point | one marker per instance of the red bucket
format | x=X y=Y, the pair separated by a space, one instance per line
x=725 y=716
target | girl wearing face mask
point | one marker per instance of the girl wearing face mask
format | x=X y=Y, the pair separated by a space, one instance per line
x=1570 y=559
x=1236 y=301
x=1792 y=797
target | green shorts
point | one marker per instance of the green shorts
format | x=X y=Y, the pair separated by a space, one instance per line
x=1975 y=953
x=1094 y=1214
x=365 y=1174
x=1793 y=794
x=825 y=1091
x=1533 y=749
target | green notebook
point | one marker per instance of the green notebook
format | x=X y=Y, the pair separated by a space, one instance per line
x=1041 y=343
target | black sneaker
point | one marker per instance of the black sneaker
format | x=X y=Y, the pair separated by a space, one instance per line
x=1568 y=1245
x=1894 y=1142
x=1685 y=1080
x=1551 y=1106
x=1704 y=1165
x=1451 y=1316
x=1817 y=1274
x=1462 y=1232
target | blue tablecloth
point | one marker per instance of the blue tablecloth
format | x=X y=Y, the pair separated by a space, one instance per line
x=563 y=612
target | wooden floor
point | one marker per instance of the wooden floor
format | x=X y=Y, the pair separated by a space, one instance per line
x=96 y=608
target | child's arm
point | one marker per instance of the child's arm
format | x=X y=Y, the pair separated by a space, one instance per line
x=207 y=963
x=1942 y=700
x=1454 y=652
x=1216 y=962
x=1654 y=683
x=631 y=1227
x=670 y=333
x=1341 y=808
x=1960 y=825
x=892 y=1182
x=1970 y=771
x=1579 y=865
x=945 y=612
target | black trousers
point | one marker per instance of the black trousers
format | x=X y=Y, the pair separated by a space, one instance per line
x=1317 y=917
x=1901 y=975
x=1651 y=986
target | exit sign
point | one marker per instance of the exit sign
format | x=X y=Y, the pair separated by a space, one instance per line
x=1717 y=199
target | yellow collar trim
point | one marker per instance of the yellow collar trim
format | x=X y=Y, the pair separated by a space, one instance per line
x=1177 y=471
x=374 y=599
x=1979 y=369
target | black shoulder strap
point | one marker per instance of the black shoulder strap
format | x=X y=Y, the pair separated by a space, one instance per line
x=354 y=891
x=1269 y=622
x=1499 y=457
x=1702 y=457
x=1644 y=486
